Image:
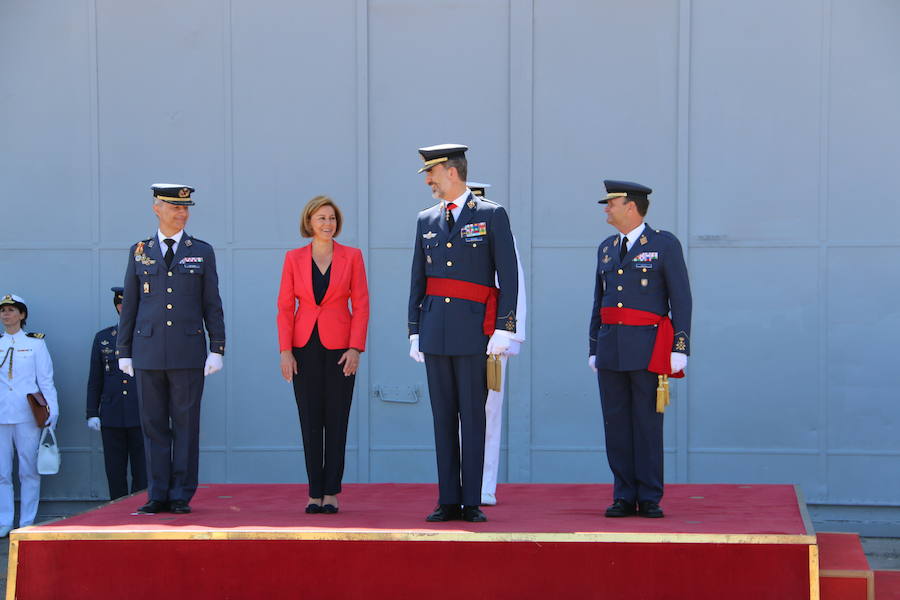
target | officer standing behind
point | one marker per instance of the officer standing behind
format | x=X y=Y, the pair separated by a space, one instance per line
x=171 y=291
x=112 y=396
x=641 y=279
x=493 y=410
x=457 y=317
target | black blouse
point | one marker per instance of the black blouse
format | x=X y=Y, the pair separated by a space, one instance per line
x=320 y=281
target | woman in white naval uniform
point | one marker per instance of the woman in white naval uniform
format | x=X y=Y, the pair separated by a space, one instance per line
x=25 y=368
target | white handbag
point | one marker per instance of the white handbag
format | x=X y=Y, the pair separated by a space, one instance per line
x=48 y=453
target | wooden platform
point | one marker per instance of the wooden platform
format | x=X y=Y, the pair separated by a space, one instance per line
x=253 y=541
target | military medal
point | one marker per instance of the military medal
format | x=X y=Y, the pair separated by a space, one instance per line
x=146 y=287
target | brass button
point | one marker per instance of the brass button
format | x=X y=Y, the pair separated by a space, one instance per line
x=449 y=263
x=170 y=273
x=644 y=270
x=619 y=288
x=124 y=392
x=124 y=381
x=620 y=271
x=169 y=323
x=449 y=244
x=169 y=306
x=474 y=245
x=619 y=305
x=447 y=300
x=169 y=290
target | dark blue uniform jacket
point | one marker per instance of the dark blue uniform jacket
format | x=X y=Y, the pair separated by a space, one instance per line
x=164 y=310
x=652 y=277
x=479 y=247
x=111 y=394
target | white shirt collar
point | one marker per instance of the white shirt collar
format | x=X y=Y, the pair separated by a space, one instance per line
x=177 y=237
x=19 y=335
x=459 y=203
x=632 y=235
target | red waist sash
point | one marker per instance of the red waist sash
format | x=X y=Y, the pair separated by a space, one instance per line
x=466 y=290
x=661 y=359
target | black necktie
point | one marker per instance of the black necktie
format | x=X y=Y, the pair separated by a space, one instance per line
x=624 y=249
x=450 y=220
x=170 y=254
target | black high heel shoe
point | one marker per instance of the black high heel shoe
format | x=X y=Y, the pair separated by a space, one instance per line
x=329 y=509
x=313 y=509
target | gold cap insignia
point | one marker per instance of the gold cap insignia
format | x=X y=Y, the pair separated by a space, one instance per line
x=184 y=192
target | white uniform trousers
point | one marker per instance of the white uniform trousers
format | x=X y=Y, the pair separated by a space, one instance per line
x=493 y=412
x=25 y=437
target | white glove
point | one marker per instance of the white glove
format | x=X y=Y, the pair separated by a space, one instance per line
x=514 y=348
x=499 y=343
x=125 y=366
x=592 y=363
x=213 y=363
x=94 y=423
x=414 y=349
x=679 y=361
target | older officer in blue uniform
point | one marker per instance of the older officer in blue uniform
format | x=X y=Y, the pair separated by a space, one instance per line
x=457 y=316
x=112 y=409
x=171 y=293
x=639 y=336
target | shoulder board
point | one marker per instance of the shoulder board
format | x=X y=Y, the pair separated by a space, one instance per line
x=33 y=334
x=664 y=233
x=488 y=201
x=198 y=241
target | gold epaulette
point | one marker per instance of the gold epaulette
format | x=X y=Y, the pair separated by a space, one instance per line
x=33 y=334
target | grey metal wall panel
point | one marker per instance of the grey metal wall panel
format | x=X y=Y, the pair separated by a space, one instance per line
x=41 y=134
x=294 y=133
x=864 y=122
x=863 y=414
x=604 y=108
x=160 y=70
x=755 y=129
x=752 y=378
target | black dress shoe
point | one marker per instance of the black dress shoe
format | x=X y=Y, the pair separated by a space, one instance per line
x=329 y=509
x=179 y=507
x=313 y=509
x=473 y=514
x=153 y=507
x=650 y=510
x=444 y=512
x=620 y=508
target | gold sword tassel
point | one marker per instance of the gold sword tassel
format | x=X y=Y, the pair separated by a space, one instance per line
x=9 y=355
x=662 y=393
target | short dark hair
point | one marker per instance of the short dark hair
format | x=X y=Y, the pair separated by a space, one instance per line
x=460 y=164
x=642 y=203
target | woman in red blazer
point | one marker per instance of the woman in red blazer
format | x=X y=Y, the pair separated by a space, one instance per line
x=320 y=339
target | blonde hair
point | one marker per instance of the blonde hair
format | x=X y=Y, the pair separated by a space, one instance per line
x=310 y=209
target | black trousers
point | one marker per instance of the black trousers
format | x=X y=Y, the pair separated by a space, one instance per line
x=169 y=403
x=122 y=445
x=634 y=434
x=323 y=395
x=457 y=386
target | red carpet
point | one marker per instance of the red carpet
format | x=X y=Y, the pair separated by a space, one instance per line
x=541 y=541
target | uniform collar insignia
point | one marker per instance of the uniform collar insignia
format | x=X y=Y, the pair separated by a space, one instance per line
x=151 y=243
x=471 y=204
x=643 y=240
x=616 y=242
x=429 y=235
x=188 y=242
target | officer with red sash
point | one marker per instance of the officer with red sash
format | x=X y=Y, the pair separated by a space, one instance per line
x=639 y=336
x=463 y=246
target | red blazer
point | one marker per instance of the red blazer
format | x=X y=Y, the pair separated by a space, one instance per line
x=297 y=308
